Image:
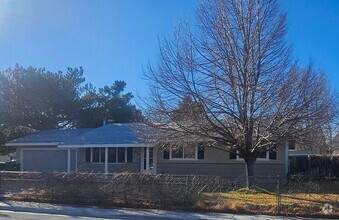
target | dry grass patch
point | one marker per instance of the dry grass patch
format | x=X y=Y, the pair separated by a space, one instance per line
x=252 y=201
x=317 y=203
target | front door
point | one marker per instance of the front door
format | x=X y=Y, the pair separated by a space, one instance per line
x=148 y=160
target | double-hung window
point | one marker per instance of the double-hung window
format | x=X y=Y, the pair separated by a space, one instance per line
x=117 y=155
x=98 y=155
x=263 y=155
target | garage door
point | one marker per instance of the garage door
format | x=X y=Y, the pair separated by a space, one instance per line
x=44 y=160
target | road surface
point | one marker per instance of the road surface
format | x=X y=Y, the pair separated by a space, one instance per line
x=11 y=215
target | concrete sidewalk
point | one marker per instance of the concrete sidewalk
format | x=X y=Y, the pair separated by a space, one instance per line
x=122 y=213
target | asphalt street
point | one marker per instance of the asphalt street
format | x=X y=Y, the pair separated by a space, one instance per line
x=30 y=210
x=15 y=215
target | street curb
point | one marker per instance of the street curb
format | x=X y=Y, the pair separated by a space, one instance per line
x=27 y=209
x=79 y=211
x=98 y=212
x=133 y=213
x=114 y=213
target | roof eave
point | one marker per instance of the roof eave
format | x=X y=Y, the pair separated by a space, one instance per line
x=31 y=144
x=101 y=145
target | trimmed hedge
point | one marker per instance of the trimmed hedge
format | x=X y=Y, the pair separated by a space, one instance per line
x=9 y=167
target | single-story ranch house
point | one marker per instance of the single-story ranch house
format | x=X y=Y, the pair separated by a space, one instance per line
x=118 y=148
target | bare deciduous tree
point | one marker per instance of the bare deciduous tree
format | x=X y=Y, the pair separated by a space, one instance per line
x=331 y=131
x=237 y=68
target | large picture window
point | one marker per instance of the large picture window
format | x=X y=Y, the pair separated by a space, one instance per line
x=270 y=154
x=262 y=156
x=115 y=155
x=183 y=152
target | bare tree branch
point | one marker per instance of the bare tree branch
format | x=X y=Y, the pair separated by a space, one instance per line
x=238 y=70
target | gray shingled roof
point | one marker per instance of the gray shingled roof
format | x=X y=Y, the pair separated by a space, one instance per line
x=51 y=136
x=109 y=134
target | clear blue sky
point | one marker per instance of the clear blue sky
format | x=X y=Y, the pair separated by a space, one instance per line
x=114 y=39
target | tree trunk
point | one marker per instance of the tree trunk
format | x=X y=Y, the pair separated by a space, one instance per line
x=249 y=172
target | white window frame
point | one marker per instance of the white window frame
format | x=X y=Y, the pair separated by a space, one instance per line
x=116 y=156
x=183 y=153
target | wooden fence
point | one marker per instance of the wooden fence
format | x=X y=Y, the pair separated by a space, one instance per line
x=315 y=166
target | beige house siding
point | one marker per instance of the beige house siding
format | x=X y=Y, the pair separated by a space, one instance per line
x=220 y=169
x=112 y=168
x=215 y=162
x=218 y=162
